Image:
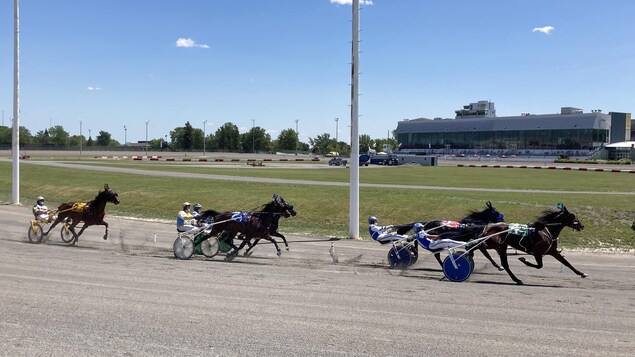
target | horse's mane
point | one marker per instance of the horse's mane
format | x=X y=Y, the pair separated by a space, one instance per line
x=547 y=216
x=478 y=216
x=209 y=212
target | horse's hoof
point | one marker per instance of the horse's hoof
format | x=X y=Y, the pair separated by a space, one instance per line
x=500 y=268
x=105 y=237
x=519 y=282
x=279 y=253
x=522 y=259
x=287 y=248
x=584 y=275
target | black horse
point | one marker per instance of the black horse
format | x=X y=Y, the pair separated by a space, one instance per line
x=468 y=228
x=91 y=213
x=538 y=239
x=254 y=225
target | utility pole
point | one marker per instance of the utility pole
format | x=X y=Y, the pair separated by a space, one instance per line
x=204 y=133
x=253 y=135
x=147 y=137
x=125 y=136
x=336 y=129
x=354 y=171
x=297 y=134
x=15 y=144
x=80 y=139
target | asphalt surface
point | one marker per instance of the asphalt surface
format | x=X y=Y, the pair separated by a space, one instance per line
x=129 y=296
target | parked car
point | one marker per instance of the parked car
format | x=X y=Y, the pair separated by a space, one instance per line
x=333 y=154
x=337 y=161
x=388 y=160
x=364 y=160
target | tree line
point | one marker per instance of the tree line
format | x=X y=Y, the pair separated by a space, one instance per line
x=188 y=138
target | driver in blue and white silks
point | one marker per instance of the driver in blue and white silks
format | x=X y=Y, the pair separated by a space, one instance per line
x=184 y=220
x=430 y=242
x=382 y=234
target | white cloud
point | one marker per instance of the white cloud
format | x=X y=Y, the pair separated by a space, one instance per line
x=93 y=88
x=546 y=29
x=188 y=43
x=350 y=2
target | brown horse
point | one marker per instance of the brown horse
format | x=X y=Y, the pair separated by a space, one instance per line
x=91 y=213
x=254 y=225
x=538 y=239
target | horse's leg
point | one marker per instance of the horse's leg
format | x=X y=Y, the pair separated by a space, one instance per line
x=502 y=252
x=58 y=220
x=489 y=257
x=438 y=257
x=106 y=233
x=251 y=246
x=278 y=234
x=538 y=264
x=79 y=233
x=234 y=252
x=562 y=260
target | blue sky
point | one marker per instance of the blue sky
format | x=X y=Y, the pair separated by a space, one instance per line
x=114 y=63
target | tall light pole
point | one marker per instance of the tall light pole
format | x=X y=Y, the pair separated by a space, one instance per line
x=125 y=136
x=147 y=137
x=253 y=135
x=15 y=144
x=336 y=129
x=80 y=139
x=204 y=133
x=354 y=171
x=297 y=133
x=89 y=135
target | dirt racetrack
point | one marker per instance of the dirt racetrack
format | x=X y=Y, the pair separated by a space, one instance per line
x=128 y=296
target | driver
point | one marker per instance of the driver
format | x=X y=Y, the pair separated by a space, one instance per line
x=184 y=219
x=431 y=242
x=40 y=211
x=197 y=211
x=382 y=234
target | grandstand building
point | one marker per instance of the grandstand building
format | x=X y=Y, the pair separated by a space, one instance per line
x=476 y=128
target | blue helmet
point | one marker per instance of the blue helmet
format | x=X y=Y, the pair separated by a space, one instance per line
x=417 y=227
x=372 y=220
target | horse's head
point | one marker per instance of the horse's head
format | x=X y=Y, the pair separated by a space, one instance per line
x=279 y=205
x=108 y=195
x=488 y=215
x=562 y=217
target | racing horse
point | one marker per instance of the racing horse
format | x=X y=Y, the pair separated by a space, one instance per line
x=254 y=225
x=91 y=213
x=470 y=227
x=538 y=239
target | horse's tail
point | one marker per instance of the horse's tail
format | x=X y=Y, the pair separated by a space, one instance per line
x=209 y=213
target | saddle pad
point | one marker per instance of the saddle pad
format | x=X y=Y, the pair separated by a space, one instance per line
x=240 y=217
x=78 y=207
x=521 y=230
x=451 y=224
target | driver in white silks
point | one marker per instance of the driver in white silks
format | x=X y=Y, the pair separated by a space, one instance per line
x=382 y=234
x=184 y=219
x=432 y=243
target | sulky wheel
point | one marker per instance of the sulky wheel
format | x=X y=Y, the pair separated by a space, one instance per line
x=66 y=234
x=461 y=271
x=183 y=248
x=210 y=247
x=35 y=233
x=399 y=257
x=414 y=253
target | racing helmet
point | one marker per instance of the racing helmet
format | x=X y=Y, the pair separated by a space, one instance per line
x=197 y=207
x=39 y=199
x=186 y=204
x=372 y=220
x=417 y=227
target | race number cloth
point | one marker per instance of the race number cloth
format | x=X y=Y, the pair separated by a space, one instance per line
x=521 y=230
x=78 y=207
x=451 y=224
x=240 y=217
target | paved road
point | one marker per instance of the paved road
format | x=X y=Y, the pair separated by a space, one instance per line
x=128 y=296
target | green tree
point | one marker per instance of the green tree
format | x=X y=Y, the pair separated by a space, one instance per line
x=256 y=139
x=42 y=137
x=59 y=136
x=187 y=138
x=322 y=144
x=103 y=139
x=287 y=140
x=365 y=143
x=228 y=137
x=6 y=135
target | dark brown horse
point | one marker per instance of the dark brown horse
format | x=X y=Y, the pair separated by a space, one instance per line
x=537 y=239
x=470 y=227
x=91 y=213
x=254 y=225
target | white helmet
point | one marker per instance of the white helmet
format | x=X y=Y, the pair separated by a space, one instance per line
x=186 y=203
x=39 y=198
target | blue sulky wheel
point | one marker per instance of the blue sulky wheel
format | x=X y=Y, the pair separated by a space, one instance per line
x=462 y=270
x=399 y=257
